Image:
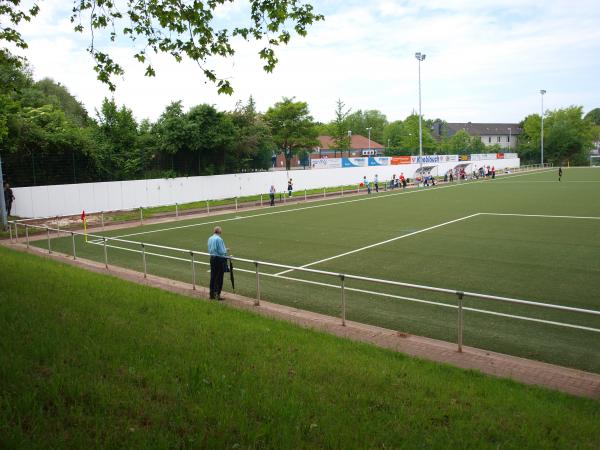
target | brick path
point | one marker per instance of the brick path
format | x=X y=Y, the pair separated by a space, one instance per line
x=571 y=381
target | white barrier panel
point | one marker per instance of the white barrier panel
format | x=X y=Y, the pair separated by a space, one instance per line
x=44 y=201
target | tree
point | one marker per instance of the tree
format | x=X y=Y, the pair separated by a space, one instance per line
x=253 y=144
x=392 y=136
x=341 y=138
x=594 y=116
x=171 y=131
x=292 y=127
x=360 y=120
x=410 y=136
x=57 y=94
x=210 y=136
x=567 y=136
x=118 y=156
x=459 y=143
x=173 y=27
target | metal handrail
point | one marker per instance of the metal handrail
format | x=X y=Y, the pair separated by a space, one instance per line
x=102 y=240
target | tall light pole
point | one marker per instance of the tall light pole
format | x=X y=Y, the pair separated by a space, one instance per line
x=349 y=142
x=420 y=57
x=369 y=130
x=542 y=92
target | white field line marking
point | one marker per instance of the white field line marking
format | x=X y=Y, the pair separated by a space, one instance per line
x=550 y=181
x=251 y=216
x=380 y=294
x=374 y=197
x=387 y=241
x=543 y=216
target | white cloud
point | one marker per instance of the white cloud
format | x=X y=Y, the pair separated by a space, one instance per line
x=486 y=60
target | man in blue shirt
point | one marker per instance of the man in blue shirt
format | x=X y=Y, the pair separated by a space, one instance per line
x=218 y=260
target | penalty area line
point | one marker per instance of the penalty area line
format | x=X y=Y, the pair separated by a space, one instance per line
x=377 y=244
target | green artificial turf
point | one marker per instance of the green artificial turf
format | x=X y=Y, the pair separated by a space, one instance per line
x=542 y=259
x=91 y=361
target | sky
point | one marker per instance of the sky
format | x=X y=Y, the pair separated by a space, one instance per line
x=486 y=60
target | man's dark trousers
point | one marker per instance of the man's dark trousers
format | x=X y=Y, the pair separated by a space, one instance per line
x=217 y=269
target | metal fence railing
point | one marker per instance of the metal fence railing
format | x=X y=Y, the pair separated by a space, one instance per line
x=194 y=258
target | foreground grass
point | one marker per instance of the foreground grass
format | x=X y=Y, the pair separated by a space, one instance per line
x=89 y=361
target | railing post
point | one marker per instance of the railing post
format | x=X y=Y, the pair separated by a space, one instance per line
x=57 y=227
x=193 y=271
x=176 y=211
x=141 y=216
x=207 y=208
x=102 y=219
x=261 y=200
x=48 y=232
x=10 y=231
x=27 y=235
x=304 y=194
x=324 y=193
x=257 y=300
x=17 y=232
x=144 y=260
x=460 y=320
x=73 y=241
x=284 y=199
x=236 y=203
x=342 y=191
x=342 y=283
x=358 y=189
x=105 y=255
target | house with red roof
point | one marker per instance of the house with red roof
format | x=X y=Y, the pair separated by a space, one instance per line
x=359 y=146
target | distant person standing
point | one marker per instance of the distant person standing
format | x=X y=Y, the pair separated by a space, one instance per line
x=272 y=195
x=403 y=180
x=273 y=159
x=376 y=183
x=367 y=184
x=559 y=177
x=290 y=187
x=218 y=261
x=8 y=198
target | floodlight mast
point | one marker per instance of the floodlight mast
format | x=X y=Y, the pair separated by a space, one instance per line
x=369 y=130
x=349 y=142
x=542 y=92
x=420 y=57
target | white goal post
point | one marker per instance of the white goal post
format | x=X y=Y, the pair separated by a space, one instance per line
x=594 y=160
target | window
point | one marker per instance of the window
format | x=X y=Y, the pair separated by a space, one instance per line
x=490 y=139
x=498 y=138
x=508 y=138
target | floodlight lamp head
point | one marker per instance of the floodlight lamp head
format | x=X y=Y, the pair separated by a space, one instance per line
x=542 y=91
x=420 y=56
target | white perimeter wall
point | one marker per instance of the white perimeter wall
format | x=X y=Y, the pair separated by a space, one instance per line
x=43 y=201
